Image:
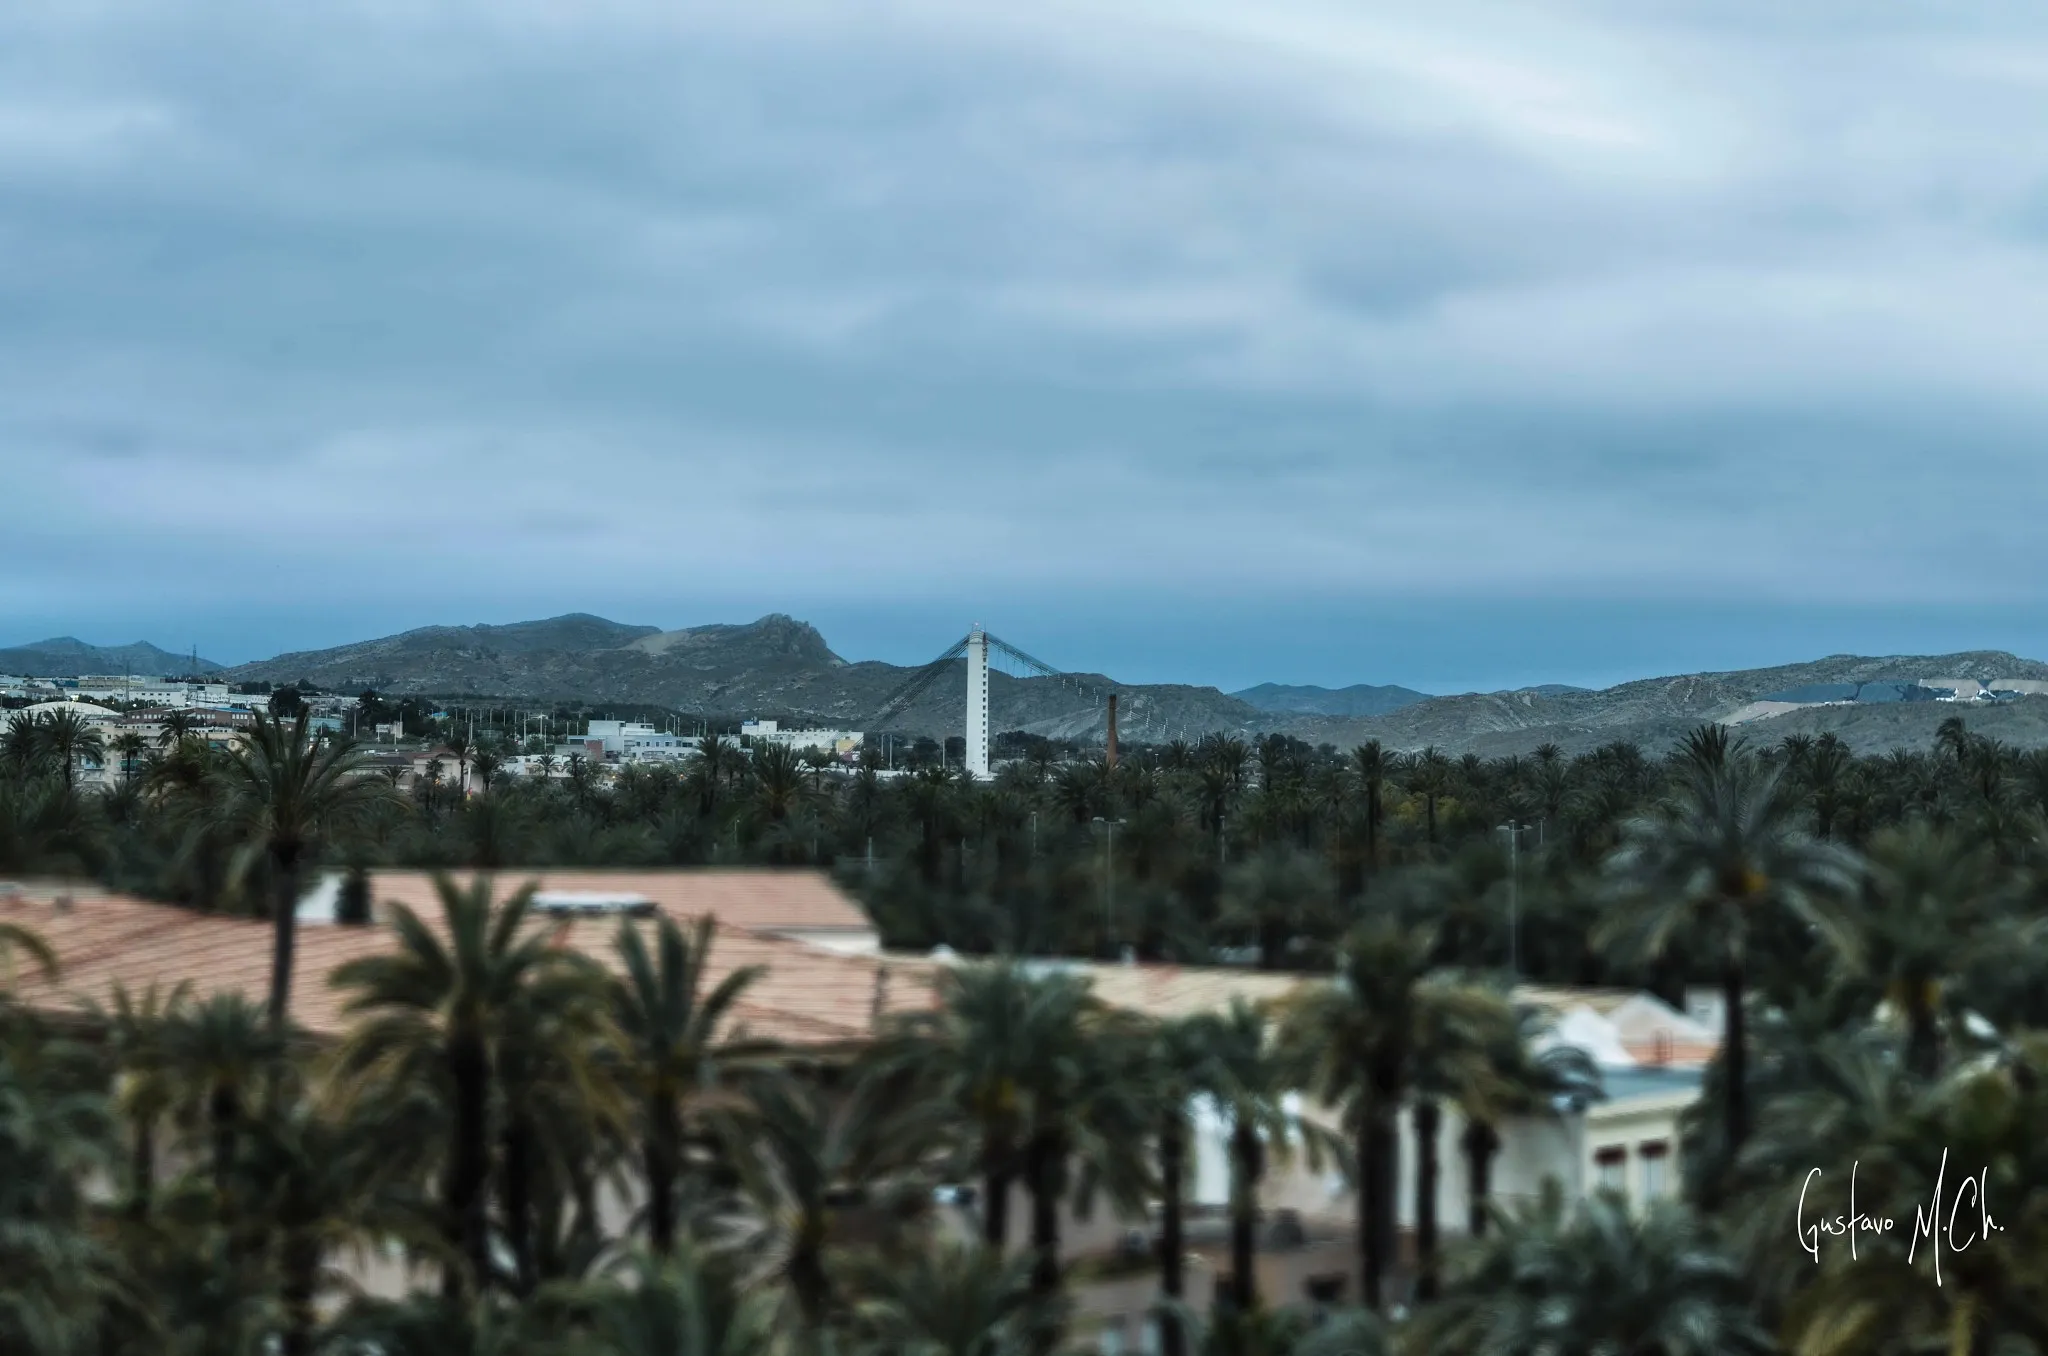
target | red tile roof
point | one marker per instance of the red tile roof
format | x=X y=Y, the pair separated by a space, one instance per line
x=807 y=996
x=757 y=899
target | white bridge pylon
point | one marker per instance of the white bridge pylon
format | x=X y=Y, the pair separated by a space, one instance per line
x=976 y=648
x=977 y=703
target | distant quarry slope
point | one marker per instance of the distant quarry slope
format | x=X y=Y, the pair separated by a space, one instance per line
x=1656 y=711
x=781 y=667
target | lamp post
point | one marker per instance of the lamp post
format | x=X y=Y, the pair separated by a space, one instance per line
x=1513 y=830
x=1109 y=882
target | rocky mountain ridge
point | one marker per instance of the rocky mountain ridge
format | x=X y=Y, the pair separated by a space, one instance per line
x=67 y=656
x=1359 y=699
x=783 y=668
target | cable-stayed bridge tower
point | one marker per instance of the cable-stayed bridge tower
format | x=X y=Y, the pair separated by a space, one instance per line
x=977 y=703
x=976 y=647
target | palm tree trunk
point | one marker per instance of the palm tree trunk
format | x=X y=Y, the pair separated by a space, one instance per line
x=1245 y=1170
x=297 y=1288
x=1428 y=1119
x=284 y=861
x=659 y=1159
x=1481 y=1142
x=1373 y=813
x=1173 y=1150
x=1735 y=1058
x=1369 y=1265
x=1272 y=943
x=142 y=1168
x=518 y=1200
x=996 y=1177
x=1923 y=1044
x=1043 y=1170
x=469 y=1160
x=1377 y=1201
x=223 y=1110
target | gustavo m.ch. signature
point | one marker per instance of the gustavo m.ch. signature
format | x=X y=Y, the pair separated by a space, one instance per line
x=1929 y=1224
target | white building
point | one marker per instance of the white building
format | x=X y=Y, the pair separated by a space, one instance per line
x=630 y=741
x=148 y=691
x=839 y=743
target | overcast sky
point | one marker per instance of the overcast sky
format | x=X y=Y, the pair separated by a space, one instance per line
x=1458 y=345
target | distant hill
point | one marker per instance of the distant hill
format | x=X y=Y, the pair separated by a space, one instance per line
x=1656 y=711
x=1360 y=699
x=776 y=667
x=66 y=656
x=782 y=668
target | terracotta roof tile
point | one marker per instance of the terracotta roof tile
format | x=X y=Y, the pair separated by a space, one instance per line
x=806 y=995
x=775 y=900
x=1184 y=990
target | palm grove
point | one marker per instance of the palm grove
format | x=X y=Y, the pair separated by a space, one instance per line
x=182 y=1172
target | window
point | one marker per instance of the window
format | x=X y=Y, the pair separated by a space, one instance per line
x=1610 y=1167
x=1656 y=1156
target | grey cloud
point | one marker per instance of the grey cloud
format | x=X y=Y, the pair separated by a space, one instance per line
x=829 y=302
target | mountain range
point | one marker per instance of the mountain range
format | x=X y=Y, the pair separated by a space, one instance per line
x=1360 y=699
x=65 y=656
x=782 y=668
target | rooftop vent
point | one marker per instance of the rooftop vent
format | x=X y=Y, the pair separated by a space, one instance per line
x=592 y=903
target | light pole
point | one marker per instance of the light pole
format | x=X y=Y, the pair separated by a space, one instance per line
x=1109 y=883
x=1513 y=829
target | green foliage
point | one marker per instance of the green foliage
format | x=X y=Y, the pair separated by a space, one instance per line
x=190 y=1177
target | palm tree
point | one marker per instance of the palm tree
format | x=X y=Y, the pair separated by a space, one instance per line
x=1971 y=1147
x=137 y=1035
x=57 y=1280
x=70 y=742
x=216 y=1051
x=1529 y=1072
x=948 y=1299
x=1175 y=1071
x=1457 y=1031
x=288 y=792
x=1283 y=896
x=1085 y=1118
x=1353 y=1043
x=1595 y=1278
x=779 y=790
x=564 y=1106
x=437 y=1012
x=486 y=765
x=1429 y=776
x=22 y=750
x=690 y=1304
x=1928 y=920
x=1374 y=765
x=1249 y=1085
x=684 y=1057
x=1023 y=1062
x=1347 y=1041
x=814 y=1158
x=16 y=937
x=323 y=1183
x=1723 y=856
x=130 y=748
x=178 y=725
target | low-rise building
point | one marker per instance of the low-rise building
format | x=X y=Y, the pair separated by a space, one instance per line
x=838 y=743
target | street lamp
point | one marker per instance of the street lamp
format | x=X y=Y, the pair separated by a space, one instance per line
x=1108 y=882
x=1513 y=829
